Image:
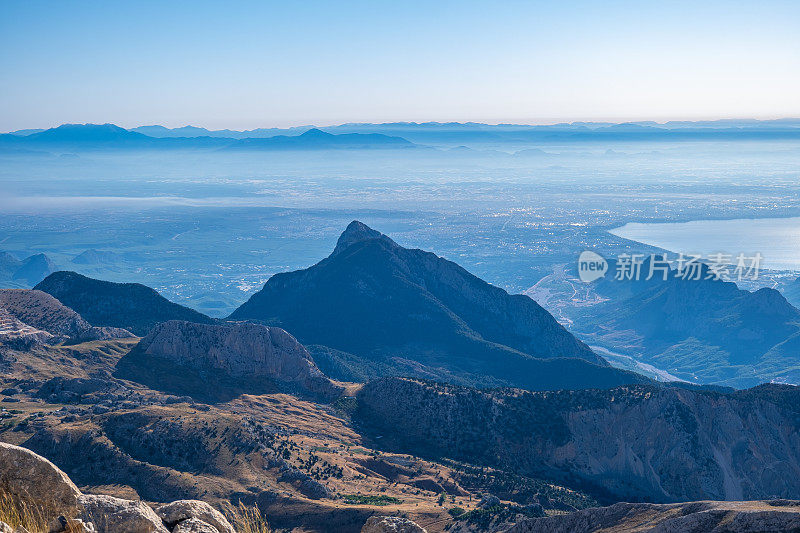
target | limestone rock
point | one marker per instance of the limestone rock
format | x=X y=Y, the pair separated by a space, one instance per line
x=238 y=350
x=114 y=515
x=193 y=525
x=182 y=510
x=391 y=524
x=31 y=477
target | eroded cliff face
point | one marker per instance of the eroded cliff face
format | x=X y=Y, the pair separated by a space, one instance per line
x=630 y=443
x=236 y=350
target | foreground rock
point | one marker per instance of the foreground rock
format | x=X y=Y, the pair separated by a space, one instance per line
x=33 y=478
x=193 y=525
x=115 y=515
x=695 y=517
x=181 y=510
x=390 y=524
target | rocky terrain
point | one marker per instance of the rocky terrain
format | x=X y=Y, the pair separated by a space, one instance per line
x=131 y=306
x=35 y=316
x=301 y=462
x=38 y=496
x=198 y=425
x=639 y=443
x=251 y=357
x=378 y=306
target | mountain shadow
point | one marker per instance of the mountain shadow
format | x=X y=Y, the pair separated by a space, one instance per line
x=131 y=306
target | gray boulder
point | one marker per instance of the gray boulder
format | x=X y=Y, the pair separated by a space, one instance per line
x=32 y=478
x=179 y=511
x=193 y=525
x=114 y=515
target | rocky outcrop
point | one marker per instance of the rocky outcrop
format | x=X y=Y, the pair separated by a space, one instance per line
x=662 y=444
x=193 y=525
x=181 y=510
x=249 y=353
x=696 y=517
x=31 y=479
x=391 y=524
x=24 y=311
x=115 y=515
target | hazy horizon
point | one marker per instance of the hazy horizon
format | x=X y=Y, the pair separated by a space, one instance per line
x=132 y=126
x=269 y=64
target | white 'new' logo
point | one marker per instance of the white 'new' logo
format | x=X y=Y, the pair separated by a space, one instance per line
x=591 y=266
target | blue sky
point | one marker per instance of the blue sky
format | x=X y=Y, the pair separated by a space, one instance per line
x=252 y=64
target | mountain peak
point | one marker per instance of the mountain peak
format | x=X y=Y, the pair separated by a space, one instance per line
x=316 y=132
x=355 y=232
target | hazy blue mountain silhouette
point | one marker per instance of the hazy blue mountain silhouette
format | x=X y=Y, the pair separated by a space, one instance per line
x=103 y=137
x=8 y=265
x=389 y=309
x=315 y=139
x=34 y=269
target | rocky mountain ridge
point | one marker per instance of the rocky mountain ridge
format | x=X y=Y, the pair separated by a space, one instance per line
x=35 y=316
x=696 y=517
x=375 y=302
x=659 y=444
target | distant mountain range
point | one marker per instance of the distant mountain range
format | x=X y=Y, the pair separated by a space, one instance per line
x=315 y=139
x=377 y=308
x=15 y=273
x=701 y=330
x=104 y=137
x=93 y=137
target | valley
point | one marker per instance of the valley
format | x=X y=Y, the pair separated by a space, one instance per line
x=223 y=333
x=238 y=412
